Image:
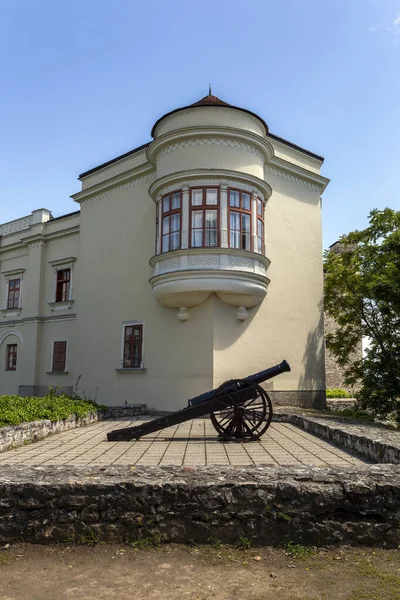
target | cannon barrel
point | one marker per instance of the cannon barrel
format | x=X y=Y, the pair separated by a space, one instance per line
x=259 y=377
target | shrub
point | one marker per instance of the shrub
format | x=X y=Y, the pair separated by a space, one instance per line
x=15 y=410
x=337 y=393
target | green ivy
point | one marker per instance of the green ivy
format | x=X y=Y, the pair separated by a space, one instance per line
x=15 y=410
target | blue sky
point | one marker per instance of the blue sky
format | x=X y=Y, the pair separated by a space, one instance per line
x=83 y=81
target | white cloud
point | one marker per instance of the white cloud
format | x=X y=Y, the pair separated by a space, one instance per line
x=391 y=25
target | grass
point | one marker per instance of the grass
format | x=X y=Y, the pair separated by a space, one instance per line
x=298 y=551
x=15 y=410
x=337 y=393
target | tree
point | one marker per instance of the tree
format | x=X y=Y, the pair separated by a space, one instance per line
x=362 y=294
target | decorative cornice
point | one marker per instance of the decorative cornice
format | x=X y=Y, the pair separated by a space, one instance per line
x=62 y=238
x=221 y=177
x=116 y=189
x=219 y=136
x=284 y=173
x=5 y=254
x=64 y=317
x=211 y=142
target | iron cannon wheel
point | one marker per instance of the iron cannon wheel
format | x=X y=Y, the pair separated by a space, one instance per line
x=240 y=411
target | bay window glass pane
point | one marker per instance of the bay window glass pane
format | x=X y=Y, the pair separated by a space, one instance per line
x=234 y=221
x=211 y=196
x=165 y=243
x=234 y=239
x=128 y=333
x=175 y=222
x=165 y=204
x=197 y=197
x=234 y=198
x=260 y=228
x=165 y=225
x=211 y=228
x=175 y=241
x=246 y=223
x=259 y=207
x=245 y=201
x=197 y=238
x=176 y=201
x=197 y=219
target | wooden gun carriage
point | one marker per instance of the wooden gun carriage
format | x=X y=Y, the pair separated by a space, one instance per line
x=240 y=410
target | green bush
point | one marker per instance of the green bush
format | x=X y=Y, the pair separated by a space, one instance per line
x=337 y=393
x=15 y=410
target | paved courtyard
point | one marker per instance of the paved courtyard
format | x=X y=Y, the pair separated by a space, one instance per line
x=193 y=443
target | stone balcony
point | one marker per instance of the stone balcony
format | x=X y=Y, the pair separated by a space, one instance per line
x=184 y=278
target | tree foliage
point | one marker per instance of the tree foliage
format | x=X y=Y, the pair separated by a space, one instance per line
x=362 y=294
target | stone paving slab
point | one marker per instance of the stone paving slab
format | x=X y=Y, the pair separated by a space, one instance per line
x=193 y=443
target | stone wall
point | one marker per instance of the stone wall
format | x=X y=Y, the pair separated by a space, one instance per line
x=16 y=435
x=269 y=506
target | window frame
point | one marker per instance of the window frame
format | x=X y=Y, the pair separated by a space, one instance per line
x=125 y=324
x=169 y=214
x=17 y=305
x=61 y=282
x=54 y=342
x=260 y=217
x=9 y=354
x=203 y=207
x=241 y=211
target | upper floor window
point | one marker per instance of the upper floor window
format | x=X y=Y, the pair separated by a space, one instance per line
x=11 y=357
x=260 y=226
x=63 y=285
x=171 y=222
x=14 y=288
x=133 y=346
x=204 y=217
x=59 y=361
x=239 y=203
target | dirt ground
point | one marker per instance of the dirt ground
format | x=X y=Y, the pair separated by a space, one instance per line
x=197 y=573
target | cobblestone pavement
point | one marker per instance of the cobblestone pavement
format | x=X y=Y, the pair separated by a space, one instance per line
x=193 y=443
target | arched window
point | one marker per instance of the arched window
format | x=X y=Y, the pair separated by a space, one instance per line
x=171 y=222
x=260 y=227
x=239 y=203
x=204 y=217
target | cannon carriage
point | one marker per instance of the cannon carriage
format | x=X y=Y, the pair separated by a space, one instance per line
x=240 y=410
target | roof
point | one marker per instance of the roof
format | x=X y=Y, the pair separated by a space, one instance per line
x=205 y=102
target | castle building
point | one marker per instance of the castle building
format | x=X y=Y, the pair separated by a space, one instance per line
x=193 y=259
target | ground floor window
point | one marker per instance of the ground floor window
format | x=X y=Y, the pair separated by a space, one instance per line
x=59 y=356
x=11 y=357
x=133 y=346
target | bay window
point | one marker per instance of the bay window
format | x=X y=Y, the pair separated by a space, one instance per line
x=239 y=203
x=260 y=227
x=204 y=217
x=171 y=222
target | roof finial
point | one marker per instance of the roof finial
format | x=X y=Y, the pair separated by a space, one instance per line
x=209 y=89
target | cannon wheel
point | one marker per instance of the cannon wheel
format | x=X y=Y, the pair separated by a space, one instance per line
x=241 y=413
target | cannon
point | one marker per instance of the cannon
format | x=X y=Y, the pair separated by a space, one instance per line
x=240 y=410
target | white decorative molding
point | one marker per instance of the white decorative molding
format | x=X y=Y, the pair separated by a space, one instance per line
x=36 y=244
x=60 y=305
x=17 y=225
x=210 y=142
x=62 y=238
x=11 y=312
x=11 y=332
x=182 y=314
x=117 y=188
x=294 y=179
x=242 y=313
x=16 y=253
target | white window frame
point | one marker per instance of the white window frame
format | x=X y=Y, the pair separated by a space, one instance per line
x=9 y=275
x=66 y=370
x=128 y=324
x=59 y=265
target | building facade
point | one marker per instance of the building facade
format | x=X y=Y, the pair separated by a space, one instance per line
x=193 y=259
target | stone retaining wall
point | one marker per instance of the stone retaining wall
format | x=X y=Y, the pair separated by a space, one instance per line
x=130 y=410
x=16 y=435
x=269 y=506
x=376 y=443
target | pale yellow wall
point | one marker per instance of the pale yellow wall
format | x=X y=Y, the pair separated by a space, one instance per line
x=295 y=157
x=116 y=246
x=210 y=117
x=131 y=162
x=288 y=324
x=211 y=157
